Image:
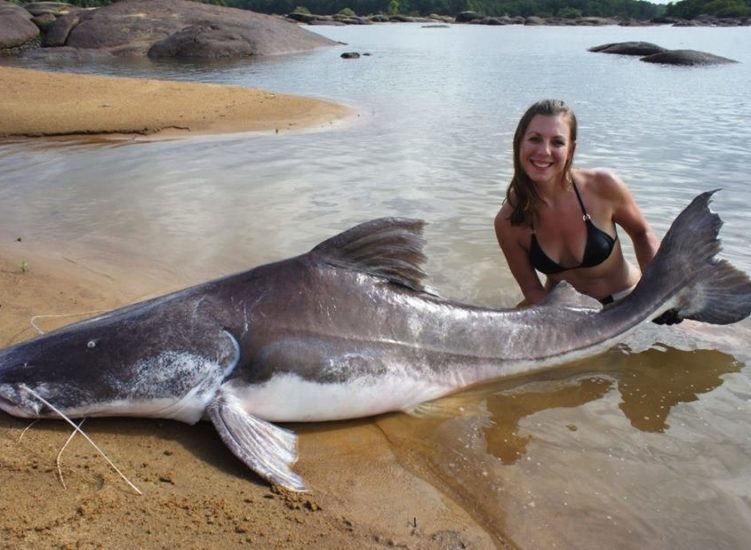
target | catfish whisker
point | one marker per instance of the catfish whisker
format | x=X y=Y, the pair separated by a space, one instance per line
x=60 y=316
x=27 y=428
x=77 y=429
x=57 y=461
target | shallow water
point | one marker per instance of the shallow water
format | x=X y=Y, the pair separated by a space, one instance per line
x=645 y=446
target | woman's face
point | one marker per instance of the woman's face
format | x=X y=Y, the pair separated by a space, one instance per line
x=546 y=148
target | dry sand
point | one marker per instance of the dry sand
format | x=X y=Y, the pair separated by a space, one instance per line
x=36 y=103
x=364 y=493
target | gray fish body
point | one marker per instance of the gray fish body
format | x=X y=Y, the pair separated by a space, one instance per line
x=344 y=331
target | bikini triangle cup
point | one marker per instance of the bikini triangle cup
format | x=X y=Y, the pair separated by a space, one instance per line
x=597 y=249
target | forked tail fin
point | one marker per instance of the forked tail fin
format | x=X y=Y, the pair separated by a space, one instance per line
x=686 y=275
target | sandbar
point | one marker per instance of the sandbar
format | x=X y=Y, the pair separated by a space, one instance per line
x=41 y=103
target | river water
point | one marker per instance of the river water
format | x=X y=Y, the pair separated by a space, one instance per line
x=646 y=446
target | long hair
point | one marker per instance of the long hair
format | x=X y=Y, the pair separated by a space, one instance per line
x=521 y=193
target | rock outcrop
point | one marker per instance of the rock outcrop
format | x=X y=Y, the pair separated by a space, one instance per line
x=162 y=28
x=17 y=31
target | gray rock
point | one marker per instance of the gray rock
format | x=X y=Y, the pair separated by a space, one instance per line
x=133 y=27
x=534 y=20
x=43 y=21
x=355 y=20
x=595 y=21
x=686 y=58
x=350 y=55
x=503 y=20
x=16 y=29
x=628 y=48
x=301 y=17
x=329 y=22
x=51 y=8
x=58 y=32
x=467 y=16
x=202 y=42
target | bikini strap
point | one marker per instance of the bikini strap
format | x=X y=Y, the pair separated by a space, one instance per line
x=585 y=214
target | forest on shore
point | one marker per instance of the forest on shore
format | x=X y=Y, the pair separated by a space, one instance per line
x=636 y=9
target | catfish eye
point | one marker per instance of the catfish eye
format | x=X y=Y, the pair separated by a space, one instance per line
x=91 y=344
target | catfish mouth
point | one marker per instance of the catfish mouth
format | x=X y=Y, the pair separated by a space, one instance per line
x=7 y=405
x=14 y=408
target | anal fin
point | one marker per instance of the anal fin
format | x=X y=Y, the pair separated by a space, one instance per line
x=263 y=447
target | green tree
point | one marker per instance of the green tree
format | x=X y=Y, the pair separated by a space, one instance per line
x=569 y=13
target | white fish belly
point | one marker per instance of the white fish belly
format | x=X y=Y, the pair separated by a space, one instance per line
x=290 y=398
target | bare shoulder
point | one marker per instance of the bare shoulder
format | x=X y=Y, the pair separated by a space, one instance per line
x=502 y=222
x=602 y=183
x=505 y=231
x=503 y=215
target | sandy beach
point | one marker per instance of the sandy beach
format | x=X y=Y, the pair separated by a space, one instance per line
x=364 y=494
x=37 y=103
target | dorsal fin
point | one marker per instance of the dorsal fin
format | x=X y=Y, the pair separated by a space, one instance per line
x=565 y=295
x=385 y=247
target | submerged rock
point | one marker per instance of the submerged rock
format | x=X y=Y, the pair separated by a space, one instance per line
x=652 y=53
x=628 y=48
x=686 y=58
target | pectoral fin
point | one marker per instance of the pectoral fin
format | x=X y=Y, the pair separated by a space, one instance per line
x=266 y=449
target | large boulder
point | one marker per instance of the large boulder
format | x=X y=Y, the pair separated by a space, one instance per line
x=16 y=28
x=57 y=33
x=181 y=28
x=533 y=20
x=202 y=42
x=628 y=48
x=467 y=16
x=686 y=57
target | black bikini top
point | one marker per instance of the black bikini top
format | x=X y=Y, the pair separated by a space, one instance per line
x=597 y=250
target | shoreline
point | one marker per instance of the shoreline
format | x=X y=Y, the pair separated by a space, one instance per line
x=50 y=104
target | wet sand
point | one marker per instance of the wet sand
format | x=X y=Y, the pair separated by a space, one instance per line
x=195 y=493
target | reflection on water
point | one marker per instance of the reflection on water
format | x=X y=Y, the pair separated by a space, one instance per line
x=650 y=387
x=584 y=446
x=644 y=448
x=507 y=409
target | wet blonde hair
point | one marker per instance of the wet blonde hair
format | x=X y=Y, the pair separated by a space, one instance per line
x=521 y=193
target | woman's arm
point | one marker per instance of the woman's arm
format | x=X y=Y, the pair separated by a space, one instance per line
x=510 y=239
x=627 y=214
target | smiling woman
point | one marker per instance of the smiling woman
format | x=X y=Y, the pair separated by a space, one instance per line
x=562 y=221
x=82 y=104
